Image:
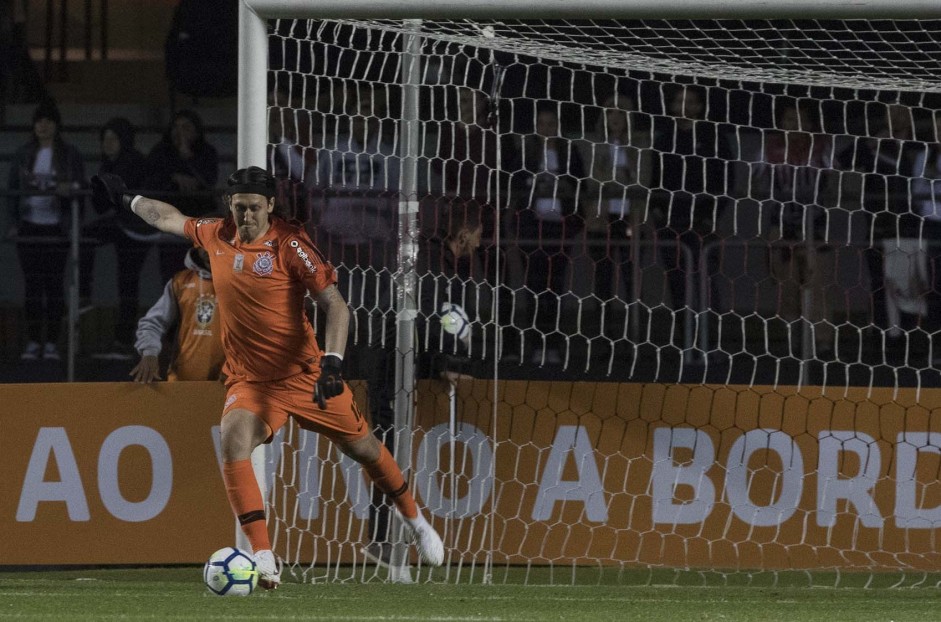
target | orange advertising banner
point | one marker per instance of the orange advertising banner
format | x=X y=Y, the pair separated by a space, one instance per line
x=584 y=473
x=111 y=473
x=694 y=476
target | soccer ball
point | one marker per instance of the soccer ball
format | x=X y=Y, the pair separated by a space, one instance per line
x=230 y=572
x=454 y=320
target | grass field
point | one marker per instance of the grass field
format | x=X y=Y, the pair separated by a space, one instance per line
x=178 y=594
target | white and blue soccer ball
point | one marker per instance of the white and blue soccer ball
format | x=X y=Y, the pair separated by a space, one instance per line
x=454 y=320
x=231 y=572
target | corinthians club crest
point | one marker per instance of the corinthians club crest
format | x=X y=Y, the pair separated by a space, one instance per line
x=264 y=264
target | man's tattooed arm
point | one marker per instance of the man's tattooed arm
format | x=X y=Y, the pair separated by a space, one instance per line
x=161 y=215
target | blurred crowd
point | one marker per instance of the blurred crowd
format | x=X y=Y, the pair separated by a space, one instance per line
x=610 y=221
x=637 y=218
x=48 y=183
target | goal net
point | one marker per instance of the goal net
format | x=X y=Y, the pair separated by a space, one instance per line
x=702 y=317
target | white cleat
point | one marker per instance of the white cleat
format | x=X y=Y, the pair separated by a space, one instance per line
x=424 y=536
x=269 y=570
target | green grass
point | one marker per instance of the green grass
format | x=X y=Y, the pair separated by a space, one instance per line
x=178 y=594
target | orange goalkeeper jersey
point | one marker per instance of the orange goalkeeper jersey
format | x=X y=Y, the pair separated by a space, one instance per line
x=260 y=288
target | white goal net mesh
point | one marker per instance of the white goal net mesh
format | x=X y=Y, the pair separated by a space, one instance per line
x=703 y=314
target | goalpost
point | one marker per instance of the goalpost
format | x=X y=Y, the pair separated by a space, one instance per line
x=706 y=320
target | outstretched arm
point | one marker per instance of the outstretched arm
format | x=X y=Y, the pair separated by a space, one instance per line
x=158 y=214
x=108 y=188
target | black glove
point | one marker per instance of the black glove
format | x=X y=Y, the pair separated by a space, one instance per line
x=109 y=189
x=330 y=383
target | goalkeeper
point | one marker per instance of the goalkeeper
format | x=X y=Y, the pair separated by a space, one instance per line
x=262 y=267
x=447 y=267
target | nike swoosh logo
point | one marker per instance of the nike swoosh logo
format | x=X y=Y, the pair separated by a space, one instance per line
x=218 y=252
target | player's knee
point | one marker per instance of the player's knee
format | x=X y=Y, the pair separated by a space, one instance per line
x=364 y=450
x=241 y=433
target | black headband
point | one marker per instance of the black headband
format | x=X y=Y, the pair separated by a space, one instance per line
x=252 y=188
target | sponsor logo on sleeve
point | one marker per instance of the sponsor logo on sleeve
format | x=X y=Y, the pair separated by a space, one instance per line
x=206 y=221
x=304 y=256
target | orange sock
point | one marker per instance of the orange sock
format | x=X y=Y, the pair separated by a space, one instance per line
x=245 y=499
x=387 y=476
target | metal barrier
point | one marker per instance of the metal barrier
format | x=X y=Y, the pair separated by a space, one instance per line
x=706 y=282
x=61 y=72
x=639 y=246
x=696 y=326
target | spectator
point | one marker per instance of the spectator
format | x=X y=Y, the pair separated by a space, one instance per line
x=201 y=49
x=185 y=167
x=615 y=197
x=358 y=171
x=45 y=164
x=132 y=238
x=879 y=171
x=188 y=305
x=296 y=136
x=447 y=263
x=905 y=268
x=20 y=81
x=12 y=16
x=466 y=159
x=466 y=165
x=926 y=189
x=796 y=158
x=545 y=215
x=688 y=179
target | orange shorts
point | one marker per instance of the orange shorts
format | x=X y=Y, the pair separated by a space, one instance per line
x=276 y=400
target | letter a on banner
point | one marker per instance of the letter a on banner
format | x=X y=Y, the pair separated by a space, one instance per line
x=52 y=442
x=587 y=488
